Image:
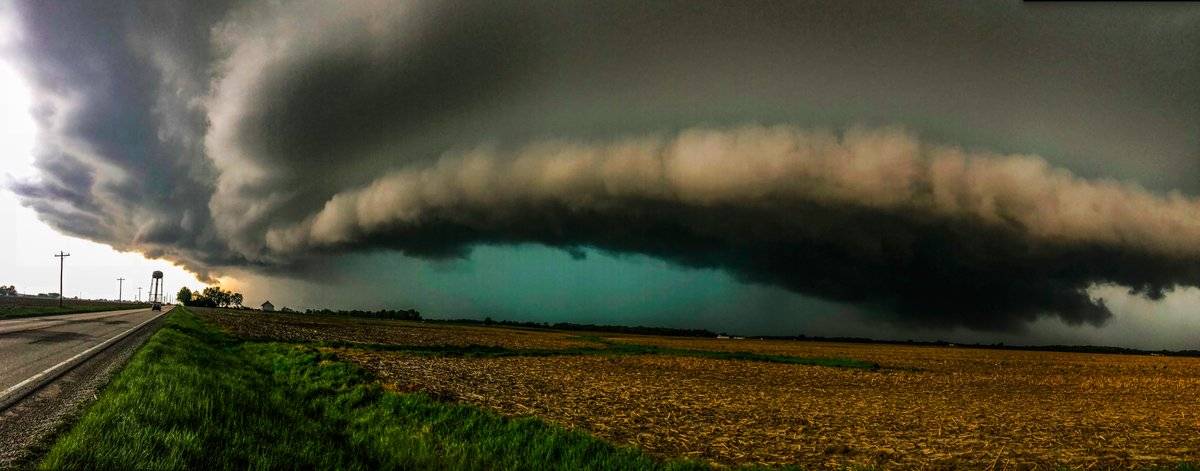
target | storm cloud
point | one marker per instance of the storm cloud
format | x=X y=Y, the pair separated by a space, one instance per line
x=891 y=156
x=868 y=216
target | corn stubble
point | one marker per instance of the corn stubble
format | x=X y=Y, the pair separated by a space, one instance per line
x=927 y=407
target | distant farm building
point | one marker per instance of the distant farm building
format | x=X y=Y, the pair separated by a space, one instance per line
x=267 y=306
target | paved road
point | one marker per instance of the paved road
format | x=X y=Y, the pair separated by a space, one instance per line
x=31 y=345
x=30 y=418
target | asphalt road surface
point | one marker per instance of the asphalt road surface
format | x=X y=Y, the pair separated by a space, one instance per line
x=30 y=346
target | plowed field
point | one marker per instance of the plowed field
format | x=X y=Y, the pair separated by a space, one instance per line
x=926 y=407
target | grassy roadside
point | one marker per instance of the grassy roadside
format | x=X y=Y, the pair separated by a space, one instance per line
x=193 y=397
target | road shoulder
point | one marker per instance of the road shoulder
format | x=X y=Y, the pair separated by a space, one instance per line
x=28 y=427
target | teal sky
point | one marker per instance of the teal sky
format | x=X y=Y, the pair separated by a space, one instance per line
x=538 y=284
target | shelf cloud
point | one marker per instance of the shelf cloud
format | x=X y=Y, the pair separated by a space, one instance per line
x=268 y=137
x=866 y=216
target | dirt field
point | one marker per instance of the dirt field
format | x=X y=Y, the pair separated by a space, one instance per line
x=928 y=407
x=310 y=328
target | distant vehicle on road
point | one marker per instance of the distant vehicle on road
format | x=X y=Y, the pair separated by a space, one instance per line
x=156 y=307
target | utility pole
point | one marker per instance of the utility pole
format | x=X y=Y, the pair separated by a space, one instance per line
x=61 y=256
x=120 y=281
x=139 y=299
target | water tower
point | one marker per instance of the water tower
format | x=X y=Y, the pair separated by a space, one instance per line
x=156 y=281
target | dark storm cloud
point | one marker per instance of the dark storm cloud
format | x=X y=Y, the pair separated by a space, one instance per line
x=873 y=217
x=270 y=136
x=66 y=181
x=117 y=166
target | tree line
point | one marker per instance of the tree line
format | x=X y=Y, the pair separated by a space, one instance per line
x=402 y=314
x=618 y=329
x=212 y=296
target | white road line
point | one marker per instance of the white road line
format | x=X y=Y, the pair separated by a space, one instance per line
x=4 y=399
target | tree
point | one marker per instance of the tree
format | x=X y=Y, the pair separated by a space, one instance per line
x=216 y=295
x=184 y=296
x=212 y=296
x=9 y=290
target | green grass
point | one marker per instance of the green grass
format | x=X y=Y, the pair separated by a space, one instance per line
x=195 y=398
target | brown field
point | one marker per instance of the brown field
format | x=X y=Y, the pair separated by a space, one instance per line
x=927 y=407
x=313 y=328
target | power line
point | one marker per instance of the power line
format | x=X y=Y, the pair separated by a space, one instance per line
x=61 y=256
x=119 y=282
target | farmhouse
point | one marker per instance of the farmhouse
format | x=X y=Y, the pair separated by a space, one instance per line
x=267 y=306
